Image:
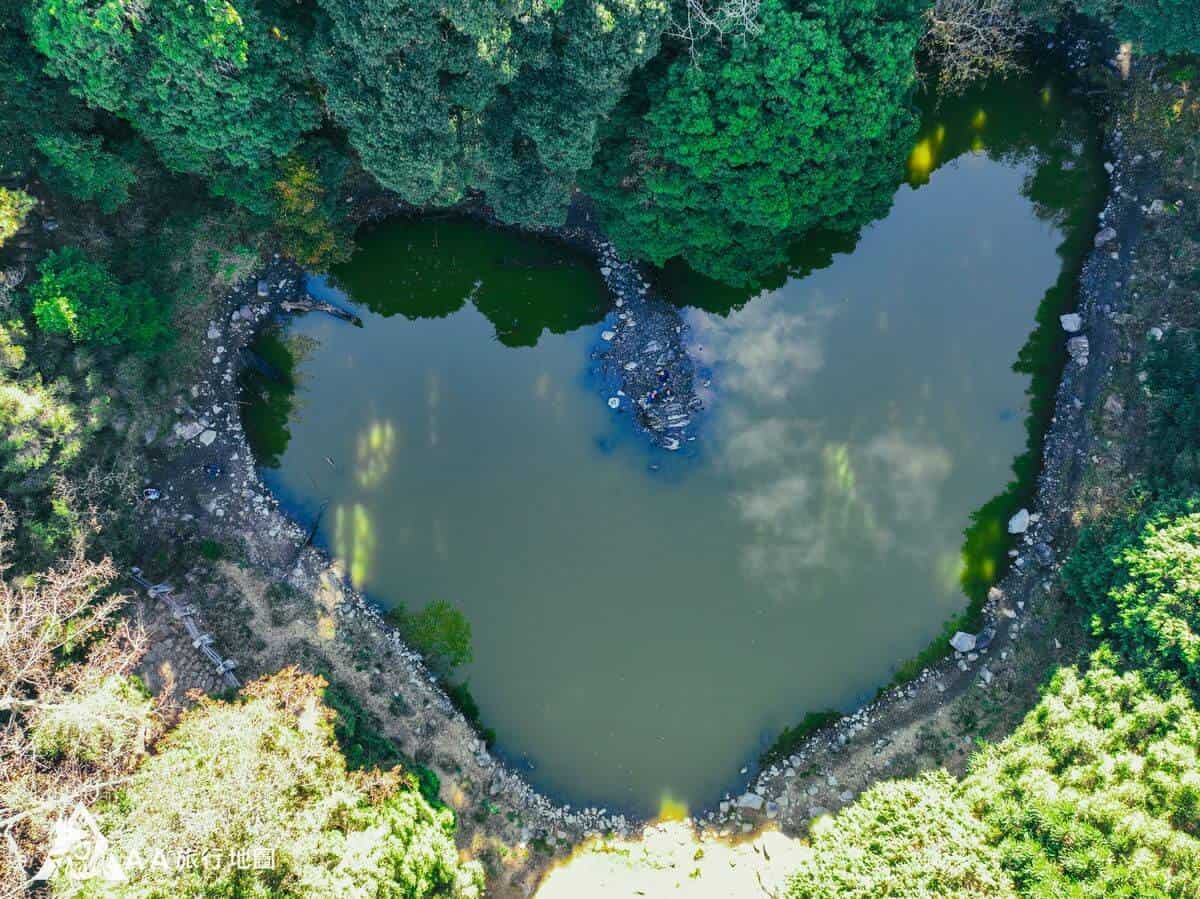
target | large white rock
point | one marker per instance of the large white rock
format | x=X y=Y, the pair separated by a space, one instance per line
x=963 y=642
x=1071 y=322
x=188 y=430
x=1019 y=523
x=751 y=801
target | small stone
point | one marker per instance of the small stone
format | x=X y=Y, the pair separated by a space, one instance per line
x=264 y=289
x=1155 y=334
x=1071 y=322
x=607 y=335
x=614 y=402
x=213 y=332
x=1077 y=348
x=1019 y=523
x=1044 y=554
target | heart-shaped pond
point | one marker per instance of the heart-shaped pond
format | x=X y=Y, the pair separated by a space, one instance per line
x=644 y=623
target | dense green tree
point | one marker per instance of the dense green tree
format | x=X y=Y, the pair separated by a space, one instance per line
x=500 y=96
x=727 y=157
x=31 y=101
x=910 y=838
x=1097 y=793
x=543 y=128
x=263 y=776
x=1140 y=580
x=1154 y=26
x=304 y=218
x=41 y=430
x=209 y=84
x=78 y=296
x=409 y=81
x=82 y=168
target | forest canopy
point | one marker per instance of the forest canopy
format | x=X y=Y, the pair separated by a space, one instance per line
x=727 y=155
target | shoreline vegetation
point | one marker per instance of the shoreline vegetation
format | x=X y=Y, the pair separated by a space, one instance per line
x=129 y=213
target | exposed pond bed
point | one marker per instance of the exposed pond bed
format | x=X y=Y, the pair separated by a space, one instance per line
x=645 y=622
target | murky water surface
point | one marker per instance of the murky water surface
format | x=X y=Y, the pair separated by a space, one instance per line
x=643 y=633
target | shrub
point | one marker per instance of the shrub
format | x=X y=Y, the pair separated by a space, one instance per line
x=439 y=632
x=790 y=738
x=15 y=205
x=79 y=297
x=303 y=217
x=1139 y=578
x=1173 y=418
x=80 y=167
x=104 y=721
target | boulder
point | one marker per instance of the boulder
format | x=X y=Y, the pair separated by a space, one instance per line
x=1106 y=235
x=1044 y=554
x=188 y=430
x=751 y=801
x=962 y=641
x=1019 y=523
x=1072 y=322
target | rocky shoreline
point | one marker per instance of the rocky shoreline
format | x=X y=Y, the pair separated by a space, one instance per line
x=644 y=358
x=209 y=485
x=836 y=764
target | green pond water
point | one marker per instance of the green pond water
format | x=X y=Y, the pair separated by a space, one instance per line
x=645 y=624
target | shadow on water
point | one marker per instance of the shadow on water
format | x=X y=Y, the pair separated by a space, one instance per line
x=268 y=391
x=523 y=285
x=1057 y=139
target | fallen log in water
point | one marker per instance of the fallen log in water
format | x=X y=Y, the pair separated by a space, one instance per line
x=312 y=304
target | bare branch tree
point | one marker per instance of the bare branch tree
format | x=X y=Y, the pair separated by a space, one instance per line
x=72 y=723
x=971 y=39
x=702 y=19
